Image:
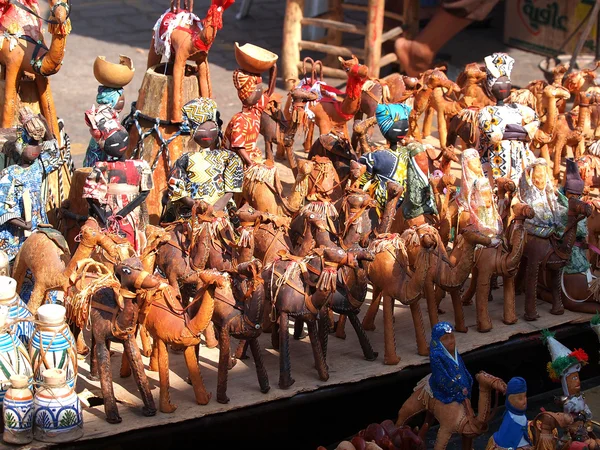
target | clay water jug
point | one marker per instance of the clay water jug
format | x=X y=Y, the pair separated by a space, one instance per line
x=16 y=309
x=52 y=345
x=57 y=415
x=14 y=358
x=18 y=411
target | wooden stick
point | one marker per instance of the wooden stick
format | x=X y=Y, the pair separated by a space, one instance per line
x=332 y=49
x=292 y=36
x=27 y=209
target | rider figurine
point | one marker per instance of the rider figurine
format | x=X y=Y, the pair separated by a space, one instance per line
x=565 y=367
x=207 y=173
x=22 y=202
x=388 y=164
x=505 y=129
x=450 y=380
x=513 y=432
x=117 y=187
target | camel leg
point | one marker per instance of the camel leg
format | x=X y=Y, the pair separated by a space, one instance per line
x=558 y=149
x=47 y=104
x=224 y=350
x=390 y=357
x=82 y=348
x=268 y=150
x=242 y=348
x=545 y=153
x=459 y=314
x=443 y=437
x=363 y=339
x=125 y=370
x=153 y=58
x=153 y=366
x=484 y=323
x=320 y=364
x=510 y=312
x=106 y=382
x=323 y=332
x=133 y=355
x=340 y=329
x=432 y=306
x=94 y=360
x=204 y=79
x=411 y=407
x=442 y=125
x=285 y=366
x=163 y=374
x=275 y=336
x=369 y=319
x=146 y=341
x=427 y=122
x=298 y=328
x=531 y=281
x=37 y=297
x=209 y=336
x=191 y=361
x=556 y=289
x=310 y=133
x=467 y=443
x=261 y=372
x=178 y=75
x=417 y=317
x=11 y=74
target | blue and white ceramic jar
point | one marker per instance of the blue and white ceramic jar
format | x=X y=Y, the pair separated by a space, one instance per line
x=18 y=411
x=17 y=310
x=57 y=414
x=14 y=358
x=52 y=345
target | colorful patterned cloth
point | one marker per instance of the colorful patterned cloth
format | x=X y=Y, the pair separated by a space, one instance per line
x=245 y=83
x=106 y=96
x=476 y=196
x=578 y=262
x=387 y=114
x=505 y=158
x=549 y=214
x=418 y=199
x=450 y=380
x=382 y=166
x=114 y=185
x=199 y=111
x=16 y=182
x=244 y=128
x=16 y=22
x=206 y=175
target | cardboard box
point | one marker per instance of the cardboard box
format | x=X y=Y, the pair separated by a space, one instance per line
x=543 y=26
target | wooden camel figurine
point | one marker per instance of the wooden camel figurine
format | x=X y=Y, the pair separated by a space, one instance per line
x=398 y=273
x=454 y=417
x=169 y=323
x=502 y=261
x=28 y=53
x=46 y=254
x=190 y=39
x=471 y=82
x=537 y=87
x=299 y=287
x=330 y=114
x=550 y=256
x=113 y=315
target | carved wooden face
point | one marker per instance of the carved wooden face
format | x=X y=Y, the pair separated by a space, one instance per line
x=573 y=383
x=501 y=88
x=206 y=134
x=30 y=153
x=448 y=340
x=538 y=177
x=474 y=164
x=518 y=401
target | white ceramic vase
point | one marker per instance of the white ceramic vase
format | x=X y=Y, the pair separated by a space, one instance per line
x=57 y=415
x=16 y=309
x=14 y=358
x=18 y=411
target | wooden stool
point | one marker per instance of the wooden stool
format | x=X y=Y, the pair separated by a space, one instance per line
x=333 y=21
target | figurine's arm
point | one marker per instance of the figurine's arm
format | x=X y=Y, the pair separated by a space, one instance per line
x=50 y=156
x=178 y=184
x=97 y=211
x=369 y=161
x=10 y=207
x=531 y=122
x=233 y=178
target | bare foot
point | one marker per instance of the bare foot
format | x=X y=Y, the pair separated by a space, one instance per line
x=414 y=57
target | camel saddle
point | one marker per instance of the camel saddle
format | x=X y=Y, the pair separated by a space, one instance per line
x=55 y=236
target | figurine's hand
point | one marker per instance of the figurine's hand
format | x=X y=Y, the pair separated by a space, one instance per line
x=20 y=223
x=495 y=242
x=542 y=137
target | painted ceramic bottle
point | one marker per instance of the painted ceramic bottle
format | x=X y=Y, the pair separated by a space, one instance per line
x=57 y=415
x=16 y=309
x=52 y=345
x=18 y=411
x=14 y=358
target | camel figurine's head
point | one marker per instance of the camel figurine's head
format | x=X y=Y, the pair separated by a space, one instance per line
x=354 y=68
x=60 y=10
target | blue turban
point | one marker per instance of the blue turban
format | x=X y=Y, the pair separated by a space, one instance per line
x=440 y=329
x=108 y=96
x=516 y=385
x=387 y=114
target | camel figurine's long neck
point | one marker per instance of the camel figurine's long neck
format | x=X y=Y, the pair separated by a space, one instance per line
x=414 y=287
x=84 y=251
x=568 y=239
x=517 y=243
x=53 y=59
x=203 y=316
x=127 y=318
x=389 y=213
x=296 y=198
x=584 y=119
x=454 y=273
x=351 y=103
x=551 y=115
